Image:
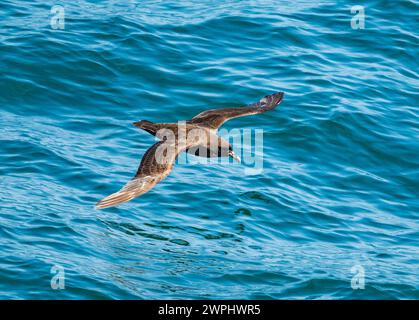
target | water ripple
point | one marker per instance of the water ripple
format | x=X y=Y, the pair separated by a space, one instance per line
x=340 y=171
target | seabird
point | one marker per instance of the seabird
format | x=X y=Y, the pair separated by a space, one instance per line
x=194 y=136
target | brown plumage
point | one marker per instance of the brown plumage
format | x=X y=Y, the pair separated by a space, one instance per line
x=201 y=140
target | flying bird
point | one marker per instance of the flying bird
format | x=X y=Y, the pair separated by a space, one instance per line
x=197 y=136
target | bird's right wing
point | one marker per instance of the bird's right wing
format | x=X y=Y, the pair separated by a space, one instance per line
x=214 y=118
x=156 y=164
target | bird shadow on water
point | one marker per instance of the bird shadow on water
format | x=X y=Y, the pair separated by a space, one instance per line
x=164 y=231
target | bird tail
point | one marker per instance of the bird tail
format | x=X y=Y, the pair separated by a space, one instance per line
x=148 y=126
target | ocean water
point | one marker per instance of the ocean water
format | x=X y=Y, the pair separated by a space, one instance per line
x=333 y=214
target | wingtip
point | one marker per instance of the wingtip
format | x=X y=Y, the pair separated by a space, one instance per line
x=102 y=204
x=98 y=206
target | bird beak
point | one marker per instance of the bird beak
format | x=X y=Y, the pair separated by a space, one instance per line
x=234 y=156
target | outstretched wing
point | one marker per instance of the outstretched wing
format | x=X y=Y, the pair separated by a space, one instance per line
x=214 y=118
x=156 y=164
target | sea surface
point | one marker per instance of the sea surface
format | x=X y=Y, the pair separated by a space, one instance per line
x=333 y=212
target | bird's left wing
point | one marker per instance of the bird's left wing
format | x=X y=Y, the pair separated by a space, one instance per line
x=155 y=166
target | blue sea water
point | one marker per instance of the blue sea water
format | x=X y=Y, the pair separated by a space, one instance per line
x=337 y=199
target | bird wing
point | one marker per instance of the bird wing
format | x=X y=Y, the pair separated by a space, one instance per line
x=214 y=118
x=156 y=164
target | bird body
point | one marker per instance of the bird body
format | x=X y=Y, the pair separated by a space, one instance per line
x=197 y=136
